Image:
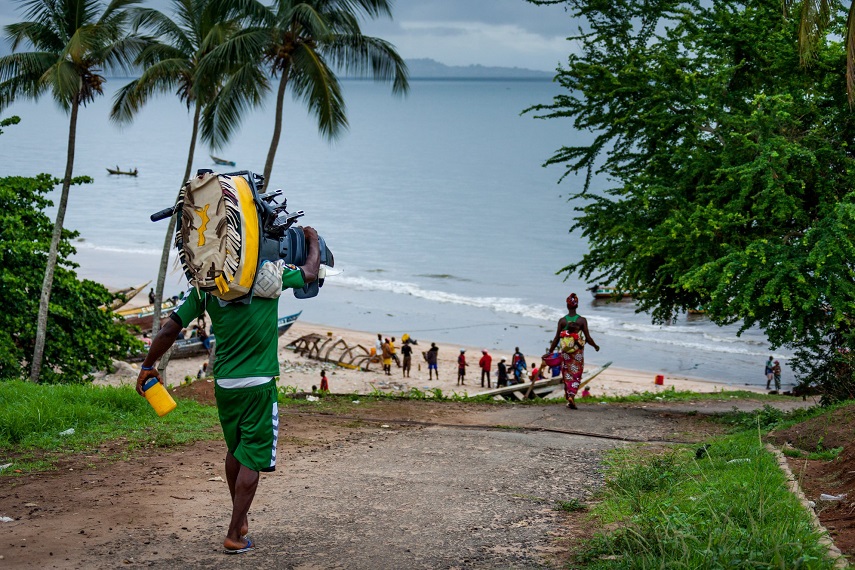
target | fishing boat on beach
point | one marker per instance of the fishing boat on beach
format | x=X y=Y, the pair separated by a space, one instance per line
x=607 y=292
x=187 y=347
x=143 y=317
x=123 y=296
x=117 y=170
x=222 y=161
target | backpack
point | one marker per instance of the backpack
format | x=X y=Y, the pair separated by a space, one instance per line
x=218 y=235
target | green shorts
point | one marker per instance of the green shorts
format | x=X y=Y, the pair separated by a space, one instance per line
x=250 y=421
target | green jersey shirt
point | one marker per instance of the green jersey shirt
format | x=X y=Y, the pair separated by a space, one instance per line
x=247 y=336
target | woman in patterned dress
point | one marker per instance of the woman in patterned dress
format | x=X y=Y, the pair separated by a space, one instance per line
x=572 y=362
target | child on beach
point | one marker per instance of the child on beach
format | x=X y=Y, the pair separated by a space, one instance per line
x=461 y=368
x=325 y=387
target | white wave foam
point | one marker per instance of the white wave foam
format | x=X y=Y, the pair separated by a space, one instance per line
x=674 y=335
x=508 y=305
x=115 y=249
x=717 y=347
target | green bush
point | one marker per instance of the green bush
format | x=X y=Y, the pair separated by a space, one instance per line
x=81 y=337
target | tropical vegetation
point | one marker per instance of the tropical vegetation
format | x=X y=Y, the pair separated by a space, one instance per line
x=729 y=168
x=81 y=337
x=170 y=64
x=304 y=44
x=72 y=41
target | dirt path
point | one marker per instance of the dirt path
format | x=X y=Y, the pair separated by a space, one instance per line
x=381 y=485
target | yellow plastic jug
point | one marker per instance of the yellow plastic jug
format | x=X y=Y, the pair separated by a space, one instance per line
x=158 y=397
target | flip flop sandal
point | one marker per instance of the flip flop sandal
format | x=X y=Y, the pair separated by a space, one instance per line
x=246 y=548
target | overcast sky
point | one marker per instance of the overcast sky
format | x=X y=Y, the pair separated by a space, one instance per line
x=507 y=33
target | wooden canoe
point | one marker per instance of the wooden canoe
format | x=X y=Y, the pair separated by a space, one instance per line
x=607 y=292
x=187 y=347
x=124 y=172
x=222 y=161
x=124 y=296
x=143 y=317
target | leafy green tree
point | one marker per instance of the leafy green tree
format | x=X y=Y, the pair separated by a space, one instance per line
x=303 y=44
x=170 y=65
x=82 y=336
x=728 y=166
x=72 y=40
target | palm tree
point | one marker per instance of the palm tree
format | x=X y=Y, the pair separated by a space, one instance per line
x=815 y=18
x=171 y=65
x=304 y=43
x=72 y=40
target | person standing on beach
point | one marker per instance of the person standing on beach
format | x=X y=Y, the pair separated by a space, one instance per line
x=325 y=385
x=517 y=365
x=776 y=374
x=485 y=363
x=461 y=368
x=151 y=296
x=387 y=357
x=769 y=372
x=246 y=368
x=393 y=351
x=407 y=351
x=502 y=377
x=572 y=363
x=431 y=358
x=378 y=346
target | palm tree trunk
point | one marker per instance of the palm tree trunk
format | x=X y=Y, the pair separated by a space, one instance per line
x=277 y=128
x=47 y=284
x=168 y=241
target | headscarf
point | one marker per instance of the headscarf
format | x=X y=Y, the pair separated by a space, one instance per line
x=572 y=301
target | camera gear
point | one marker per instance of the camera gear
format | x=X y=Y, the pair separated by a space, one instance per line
x=228 y=231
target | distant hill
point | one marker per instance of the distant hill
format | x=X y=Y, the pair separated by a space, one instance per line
x=425 y=68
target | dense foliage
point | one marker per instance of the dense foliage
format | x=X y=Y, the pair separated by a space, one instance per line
x=729 y=167
x=80 y=336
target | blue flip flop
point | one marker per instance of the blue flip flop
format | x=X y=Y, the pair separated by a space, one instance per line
x=246 y=548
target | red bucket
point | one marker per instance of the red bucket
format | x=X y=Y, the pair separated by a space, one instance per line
x=553 y=359
x=660 y=380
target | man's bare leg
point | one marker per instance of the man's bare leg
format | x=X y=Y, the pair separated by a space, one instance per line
x=243 y=483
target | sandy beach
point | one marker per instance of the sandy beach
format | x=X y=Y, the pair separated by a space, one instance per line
x=303 y=373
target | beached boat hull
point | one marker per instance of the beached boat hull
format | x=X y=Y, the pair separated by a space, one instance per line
x=185 y=348
x=143 y=317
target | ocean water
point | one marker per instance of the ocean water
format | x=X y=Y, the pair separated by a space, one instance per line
x=443 y=222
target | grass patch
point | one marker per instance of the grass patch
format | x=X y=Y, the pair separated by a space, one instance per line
x=571 y=506
x=729 y=509
x=672 y=395
x=39 y=424
x=768 y=417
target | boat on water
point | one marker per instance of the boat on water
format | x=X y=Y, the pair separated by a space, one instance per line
x=607 y=292
x=222 y=161
x=117 y=170
x=187 y=347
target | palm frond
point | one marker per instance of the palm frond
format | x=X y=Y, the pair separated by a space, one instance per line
x=316 y=85
x=361 y=55
x=243 y=90
x=162 y=26
x=39 y=35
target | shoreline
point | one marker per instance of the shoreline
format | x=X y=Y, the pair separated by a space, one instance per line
x=302 y=373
